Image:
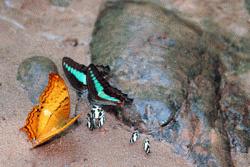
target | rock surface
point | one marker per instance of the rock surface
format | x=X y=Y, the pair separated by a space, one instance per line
x=234 y=93
x=33 y=75
x=175 y=70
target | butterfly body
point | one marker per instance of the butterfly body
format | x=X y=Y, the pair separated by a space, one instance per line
x=51 y=116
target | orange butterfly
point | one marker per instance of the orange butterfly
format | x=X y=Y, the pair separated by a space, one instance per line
x=51 y=116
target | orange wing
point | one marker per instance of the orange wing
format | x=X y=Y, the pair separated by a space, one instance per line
x=31 y=124
x=45 y=137
x=51 y=116
x=54 y=104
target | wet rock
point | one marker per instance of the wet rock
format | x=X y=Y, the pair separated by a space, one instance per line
x=61 y=3
x=174 y=71
x=233 y=91
x=33 y=75
x=152 y=68
x=235 y=99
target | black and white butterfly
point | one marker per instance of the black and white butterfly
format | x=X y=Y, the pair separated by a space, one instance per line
x=96 y=117
x=146 y=146
x=134 y=137
x=76 y=73
x=93 y=78
x=90 y=121
x=99 y=115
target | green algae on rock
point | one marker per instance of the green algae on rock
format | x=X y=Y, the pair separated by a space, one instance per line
x=33 y=75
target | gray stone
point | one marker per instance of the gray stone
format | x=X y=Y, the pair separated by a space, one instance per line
x=33 y=75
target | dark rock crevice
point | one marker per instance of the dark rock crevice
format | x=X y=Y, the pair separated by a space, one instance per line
x=214 y=116
x=220 y=121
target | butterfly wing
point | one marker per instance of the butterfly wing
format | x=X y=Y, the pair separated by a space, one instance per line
x=100 y=89
x=76 y=73
x=54 y=104
x=53 y=132
x=51 y=114
x=30 y=127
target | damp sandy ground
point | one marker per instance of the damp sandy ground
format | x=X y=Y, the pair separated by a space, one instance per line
x=34 y=27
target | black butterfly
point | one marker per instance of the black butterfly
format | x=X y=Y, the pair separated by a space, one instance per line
x=100 y=92
x=76 y=73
